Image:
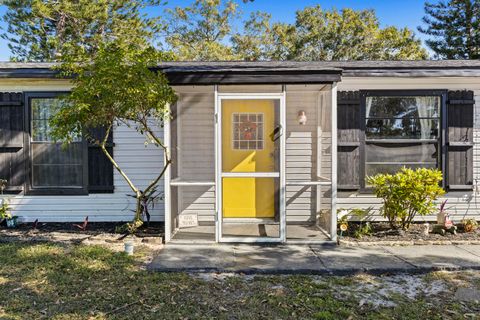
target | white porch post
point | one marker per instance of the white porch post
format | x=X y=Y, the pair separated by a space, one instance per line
x=167 y=179
x=333 y=225
x=283 y=139
x=218 y=178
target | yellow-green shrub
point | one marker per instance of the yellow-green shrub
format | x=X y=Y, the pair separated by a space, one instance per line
x=407 y=193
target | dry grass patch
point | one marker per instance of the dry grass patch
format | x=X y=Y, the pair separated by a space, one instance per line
x=52 y=281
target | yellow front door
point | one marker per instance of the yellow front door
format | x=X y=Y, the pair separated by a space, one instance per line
x=248 y=146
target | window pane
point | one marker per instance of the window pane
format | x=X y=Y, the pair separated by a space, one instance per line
x=403 y=107
x=42 y=110
x=56 y=176
x=406 y=128
x=249 y=140
x=250 y=131
x=401 y=153
x=401 y=117
x=53 y=165
x=57 y=166
x=54 y=153
x=373 y=169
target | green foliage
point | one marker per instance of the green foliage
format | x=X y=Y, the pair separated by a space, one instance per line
x=262 y=40
x=117 y=87
x=203 y=31
x=5 y=211
x=199 y=31
x=47 y=30
x=364 y=228
x=319 y=34
x=351 y=35
x=105 y=48
x=4 y=207
x=407 y=193
x=454 y=27
x=50 y=30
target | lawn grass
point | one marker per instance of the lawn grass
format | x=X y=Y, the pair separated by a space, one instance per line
x=52 y=281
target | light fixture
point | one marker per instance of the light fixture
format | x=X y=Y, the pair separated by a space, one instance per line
x=302 y=117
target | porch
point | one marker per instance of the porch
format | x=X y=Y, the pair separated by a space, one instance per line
x=252 y=163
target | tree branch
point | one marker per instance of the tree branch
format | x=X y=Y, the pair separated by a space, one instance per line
x=166 y=157
x=117 y=167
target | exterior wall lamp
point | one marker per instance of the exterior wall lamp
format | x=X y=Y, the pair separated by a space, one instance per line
x=302 y=117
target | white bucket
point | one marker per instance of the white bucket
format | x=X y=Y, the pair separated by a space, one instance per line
x=426 y=228
x=129 y=247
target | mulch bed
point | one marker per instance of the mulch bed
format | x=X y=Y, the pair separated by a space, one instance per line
x=383 y=234
x=152 y=229
x=149 y=238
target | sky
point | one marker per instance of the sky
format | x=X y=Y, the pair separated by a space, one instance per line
x=400 y=13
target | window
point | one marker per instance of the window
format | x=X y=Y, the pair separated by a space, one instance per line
x=402 y=129
x=247 y=131
x=54 y=168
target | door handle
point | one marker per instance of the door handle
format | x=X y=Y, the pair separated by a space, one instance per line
x=277 y=133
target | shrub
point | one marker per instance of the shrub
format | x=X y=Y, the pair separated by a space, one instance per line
x=407 y=193
x=4 y=210
x=361 y=215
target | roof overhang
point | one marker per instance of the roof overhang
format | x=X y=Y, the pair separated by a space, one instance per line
x=28 y=73
x=275 y=72
x=411 y=72
x=253 y=77
x=181 y=75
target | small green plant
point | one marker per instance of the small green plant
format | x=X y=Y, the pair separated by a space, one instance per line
x=407 y=193
x=4 y=208
x=5 y=214
x=359 y=215
x=365 y=229
x=5 y=211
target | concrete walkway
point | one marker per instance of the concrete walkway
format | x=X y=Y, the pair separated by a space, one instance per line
x=314 y=259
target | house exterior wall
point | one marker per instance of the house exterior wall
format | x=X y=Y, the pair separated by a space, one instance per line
x=196 y=157
x=138 y=161
x=460 y=204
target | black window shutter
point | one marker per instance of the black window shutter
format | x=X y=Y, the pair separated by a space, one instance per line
x=12 y=160
x=459 y=157
x=100 y=168
x=349 y=137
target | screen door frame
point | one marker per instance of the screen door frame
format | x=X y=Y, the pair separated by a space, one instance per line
x=219 y=98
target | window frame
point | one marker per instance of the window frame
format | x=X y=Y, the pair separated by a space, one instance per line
x=29 y=189
x=441 y=140
x=235 y=140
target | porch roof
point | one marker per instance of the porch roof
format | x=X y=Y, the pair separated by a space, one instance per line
x=241 y=72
